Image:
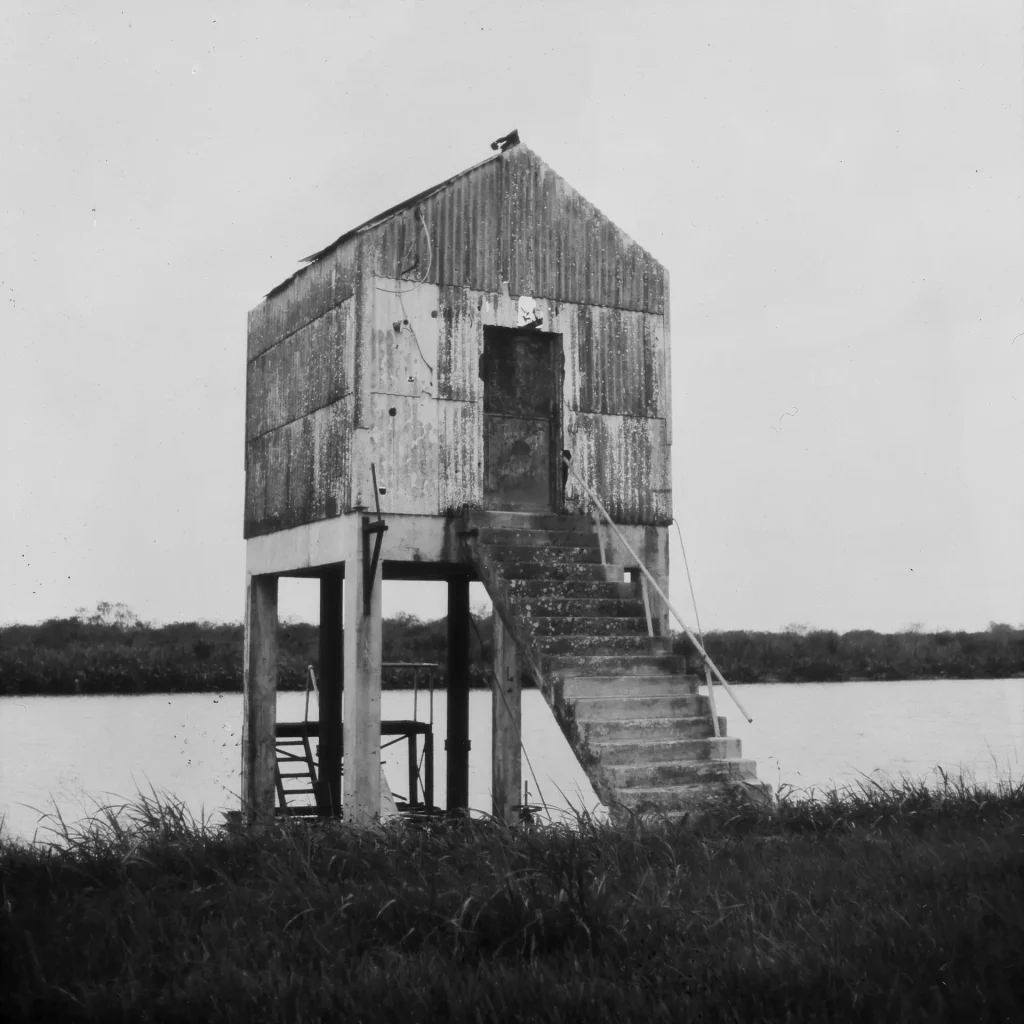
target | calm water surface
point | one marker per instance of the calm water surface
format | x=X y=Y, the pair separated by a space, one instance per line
x=70 y=752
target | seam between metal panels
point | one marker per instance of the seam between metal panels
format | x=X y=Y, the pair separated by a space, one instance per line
x=295 y=419
x=292 y=333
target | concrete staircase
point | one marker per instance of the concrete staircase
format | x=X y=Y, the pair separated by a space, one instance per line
x=632 y=715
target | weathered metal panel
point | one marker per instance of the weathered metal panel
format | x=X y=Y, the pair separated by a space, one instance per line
x=403 y=358
x=460 y=344
x=403 y=447
x=618 y=363
x=306 y=371
x=305 y=297
x=625 y=460
x=299 y=472
x=460 y=455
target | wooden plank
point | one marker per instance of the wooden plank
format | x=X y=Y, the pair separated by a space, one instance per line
x=458 y=694
x=332 y=673
x=259 y=699
x=362 y=673
x=506 y=725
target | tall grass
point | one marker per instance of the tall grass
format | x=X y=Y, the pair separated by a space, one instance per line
x=893 y=903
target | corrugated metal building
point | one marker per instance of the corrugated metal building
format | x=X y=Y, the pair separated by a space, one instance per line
x=375 y=352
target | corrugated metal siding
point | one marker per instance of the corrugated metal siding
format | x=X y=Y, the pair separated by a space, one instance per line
x=625 y=460
x=460 y=456
x=403 y=447
x=619 y=362
x=299 y=472
x=306 y=371
x=309 y=295
x=460 y=344
x=403 y=361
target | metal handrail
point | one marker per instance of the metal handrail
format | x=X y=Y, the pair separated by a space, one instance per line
x=661 y=593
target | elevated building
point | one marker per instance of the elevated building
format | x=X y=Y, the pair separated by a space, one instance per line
x=449 y=392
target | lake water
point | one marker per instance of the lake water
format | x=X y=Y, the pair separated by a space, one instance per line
x=71 y=752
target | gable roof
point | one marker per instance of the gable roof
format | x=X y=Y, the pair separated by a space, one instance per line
x=509 y=218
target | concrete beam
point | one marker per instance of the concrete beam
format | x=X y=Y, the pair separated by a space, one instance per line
x=420 y=539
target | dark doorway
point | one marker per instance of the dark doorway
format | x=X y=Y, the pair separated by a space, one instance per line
x=521 y=371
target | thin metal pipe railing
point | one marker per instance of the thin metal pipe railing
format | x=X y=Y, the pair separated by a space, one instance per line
x=661 y=593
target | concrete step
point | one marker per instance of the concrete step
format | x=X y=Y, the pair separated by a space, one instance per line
x=675 y=773
x=693 y=748
x=550 y=555
x=653 y=730
x=539 y=538
x=604 y=625
x=566 y=665
x=672 y=801
x=570 y=589
x=630 y=685
x=558 y=572
x=580 y=607
x=528 y=521
x=615 y=709
x=585 y=646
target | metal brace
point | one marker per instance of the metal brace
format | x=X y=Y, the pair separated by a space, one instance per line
x=377 y=529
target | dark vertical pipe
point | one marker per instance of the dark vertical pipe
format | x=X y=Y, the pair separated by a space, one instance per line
x=331 y=683
x=458 y=693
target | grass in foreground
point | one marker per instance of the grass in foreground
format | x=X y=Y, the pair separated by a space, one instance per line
x=891 y=904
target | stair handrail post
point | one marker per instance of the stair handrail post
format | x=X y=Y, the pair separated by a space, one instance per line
x=310 y=678
x=661 y=593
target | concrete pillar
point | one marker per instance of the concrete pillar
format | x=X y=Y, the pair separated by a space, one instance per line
x=259 y=698
x=362 y=643
x=457 y=744
x=331 y=682
x=506 y=726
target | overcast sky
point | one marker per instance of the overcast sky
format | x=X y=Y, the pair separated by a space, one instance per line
x=836 y=190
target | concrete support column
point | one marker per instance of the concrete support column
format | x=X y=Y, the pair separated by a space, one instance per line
x=331 y=683
x=457 y=744
x=362 y=643
x=259 y=699
x=506 y=726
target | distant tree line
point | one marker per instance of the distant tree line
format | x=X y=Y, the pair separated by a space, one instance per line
x=111 y=651
x=800 y=655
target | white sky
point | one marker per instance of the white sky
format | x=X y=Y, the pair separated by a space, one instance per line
x=835 y=189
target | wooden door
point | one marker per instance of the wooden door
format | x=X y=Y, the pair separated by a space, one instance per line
x=520 y=375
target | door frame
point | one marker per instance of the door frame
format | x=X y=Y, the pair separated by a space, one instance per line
x=556 y=483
